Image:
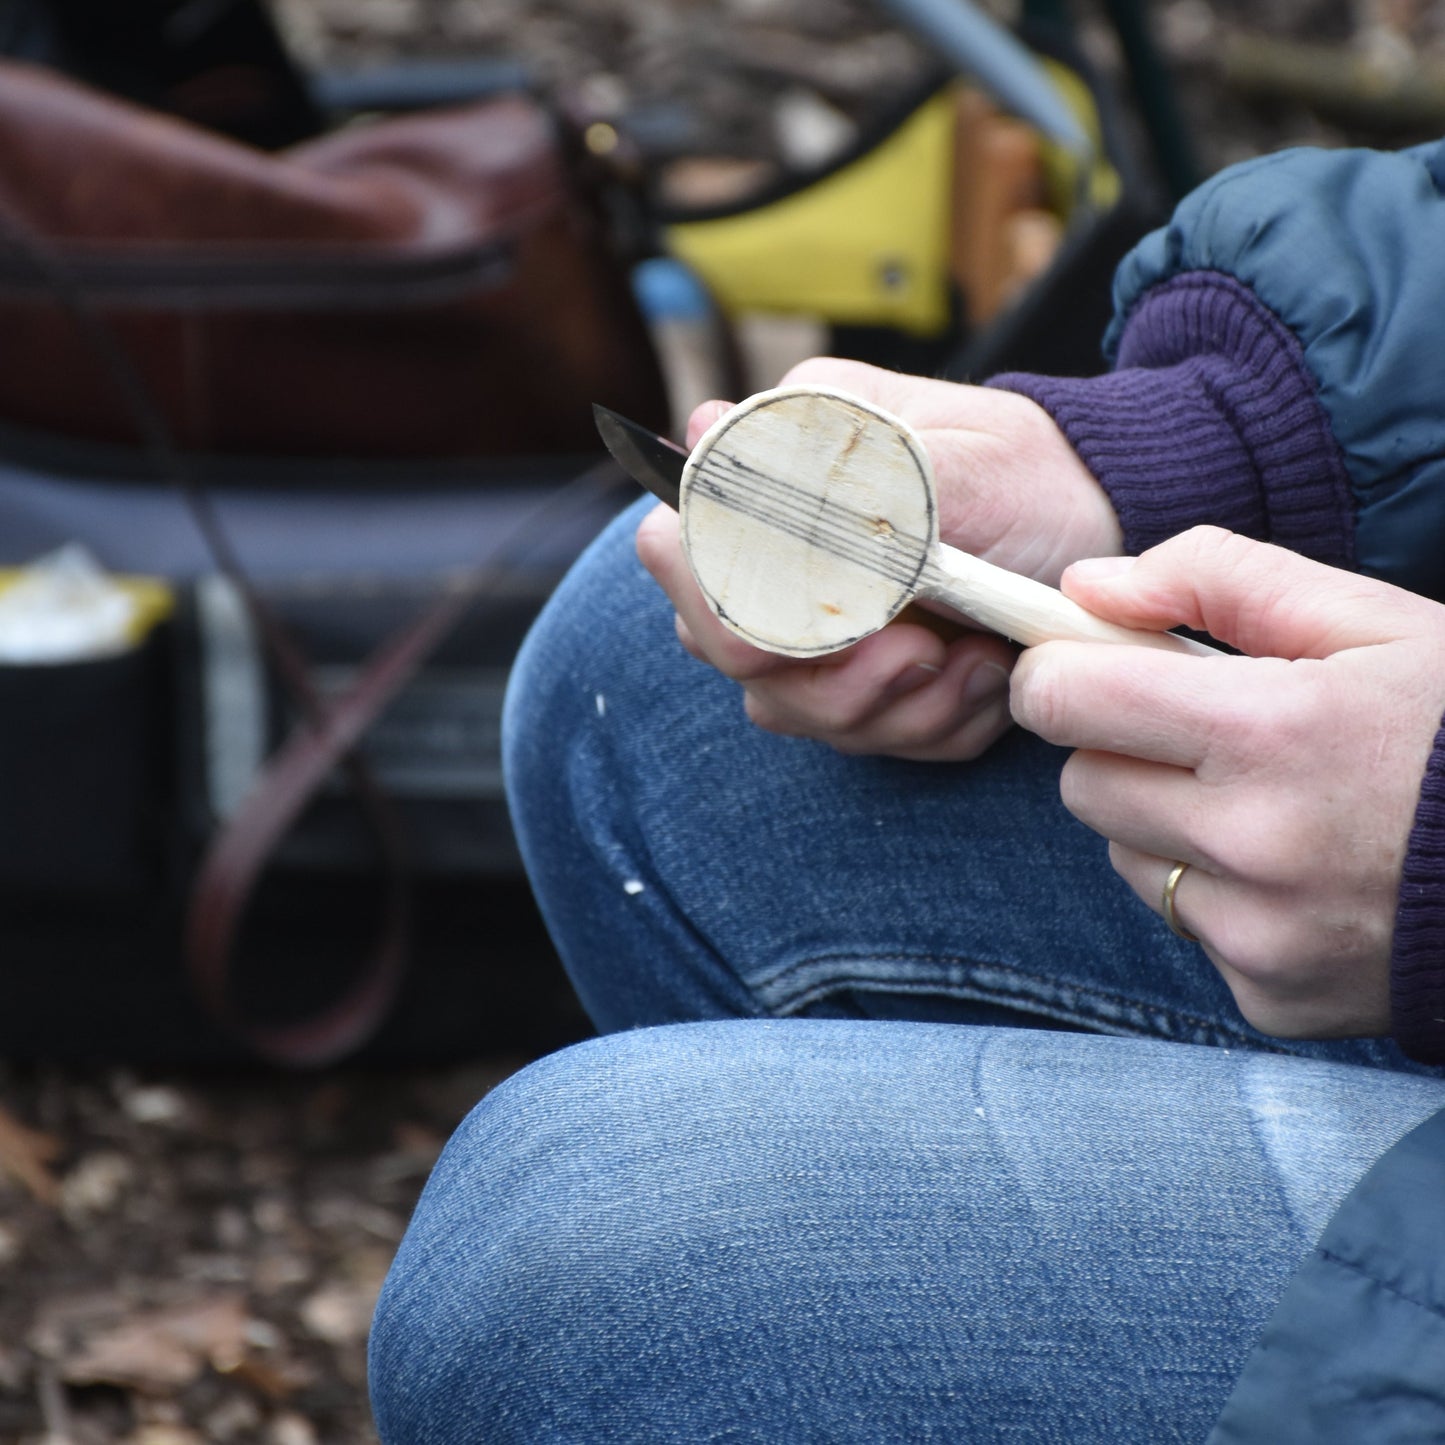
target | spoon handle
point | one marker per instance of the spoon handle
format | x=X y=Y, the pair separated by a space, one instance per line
x=1028 y=611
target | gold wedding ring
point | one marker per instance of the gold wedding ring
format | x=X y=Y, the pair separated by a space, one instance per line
x=1170 y=884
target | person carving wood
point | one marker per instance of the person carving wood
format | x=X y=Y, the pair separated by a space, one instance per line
x=907 y=1121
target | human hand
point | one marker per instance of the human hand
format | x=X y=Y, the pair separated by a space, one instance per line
x=1010 y=489
x=1286 y=779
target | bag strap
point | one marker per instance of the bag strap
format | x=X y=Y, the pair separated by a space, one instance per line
x=238 y=854
x=360 y=1011
x=324 y=739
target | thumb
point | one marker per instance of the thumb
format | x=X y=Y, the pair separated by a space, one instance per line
x=703 y=416
x=1264 y=600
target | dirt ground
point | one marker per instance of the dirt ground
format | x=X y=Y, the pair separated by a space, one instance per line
x=187 y=1258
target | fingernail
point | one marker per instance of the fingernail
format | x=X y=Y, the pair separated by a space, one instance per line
x=985 y=683
x=1101 y=569
x=914 y=676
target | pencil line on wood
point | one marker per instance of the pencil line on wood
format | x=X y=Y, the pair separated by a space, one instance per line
x=827 y=529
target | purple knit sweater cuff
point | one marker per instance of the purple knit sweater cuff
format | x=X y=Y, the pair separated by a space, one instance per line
x=1211 y=415
x=1417 y=965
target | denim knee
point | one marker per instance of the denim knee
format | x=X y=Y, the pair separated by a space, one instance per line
x=823 y=1230
x=527 y=1280
x=606 y=1251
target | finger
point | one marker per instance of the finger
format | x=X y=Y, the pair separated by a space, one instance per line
x=831 y=692
x=951 y=719
x=659 y=548
x=830 y=696
x=1261 y=837
x=1278 y=968
x=903 y=662
x=1160 y=706
x=965 y=738
x=703 y=416
x=1152 y=808
x=905 y=395
x=969 y=738
x=1197 y=897
x=927 y=712
x=1264 y=600
x=924 y=402
x=843 y=691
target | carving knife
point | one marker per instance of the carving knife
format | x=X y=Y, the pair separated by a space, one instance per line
x=650 y=459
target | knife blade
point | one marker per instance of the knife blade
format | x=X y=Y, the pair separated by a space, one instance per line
x=648 y=458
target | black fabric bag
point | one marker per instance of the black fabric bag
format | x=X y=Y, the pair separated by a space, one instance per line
x=120 y=772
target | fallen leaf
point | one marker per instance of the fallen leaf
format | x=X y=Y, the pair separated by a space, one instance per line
x=275 y=1381
x=291 y=1429
x=165 y=1349
x=419 y=1141
x=155 y=1104
x=339 y=1313
x=27 y=1154
x=164 y=1435
x=235 y=1416
x=95 y=1186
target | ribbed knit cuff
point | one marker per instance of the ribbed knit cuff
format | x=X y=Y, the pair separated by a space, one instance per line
x=1417 y=965
x=1211 y=416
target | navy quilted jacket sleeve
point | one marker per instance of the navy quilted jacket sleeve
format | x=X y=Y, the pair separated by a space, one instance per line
x=1354 y=1354
x=1347 y=250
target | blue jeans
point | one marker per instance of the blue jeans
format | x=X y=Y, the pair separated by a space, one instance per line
x=936 y=1150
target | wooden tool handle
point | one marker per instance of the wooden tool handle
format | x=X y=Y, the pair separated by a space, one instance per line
x=1027 y=611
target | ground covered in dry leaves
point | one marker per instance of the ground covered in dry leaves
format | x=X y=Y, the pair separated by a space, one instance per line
x=187 y=1260
x=194 y=1259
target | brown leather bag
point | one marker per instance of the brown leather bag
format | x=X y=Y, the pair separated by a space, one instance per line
x=442 y=284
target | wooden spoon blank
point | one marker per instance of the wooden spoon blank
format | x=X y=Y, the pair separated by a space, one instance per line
x=809 y=519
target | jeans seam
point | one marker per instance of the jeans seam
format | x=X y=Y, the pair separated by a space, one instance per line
x=1166 y=1022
